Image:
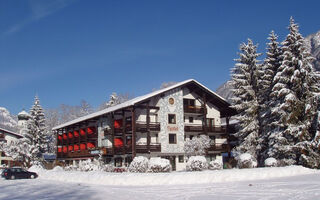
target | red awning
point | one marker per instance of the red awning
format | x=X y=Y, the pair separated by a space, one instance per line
x=76 y=133
x=91 y=130
x=90 y=145
x=118 y=123
x=82 y=132
x=76 y=147
x=59 y=137
x=65 y=149
x=59 y=149
x=82 y=146
x=65 y=136
x=70 y=135
x=70 y=148
x=118 y=142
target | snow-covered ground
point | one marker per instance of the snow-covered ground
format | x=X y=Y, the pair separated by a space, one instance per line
x=264 y=183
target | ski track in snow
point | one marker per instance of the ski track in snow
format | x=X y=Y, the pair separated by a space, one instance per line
x=297 y=187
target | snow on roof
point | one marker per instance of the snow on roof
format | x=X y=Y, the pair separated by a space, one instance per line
x=10 y=133
x=133 y=102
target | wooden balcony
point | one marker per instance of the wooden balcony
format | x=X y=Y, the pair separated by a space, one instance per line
x=200 y=128
x=218 y=147
x=142 y=126
x=128 y=149
x=141 y=148
x=193 y=109
x=75 y=154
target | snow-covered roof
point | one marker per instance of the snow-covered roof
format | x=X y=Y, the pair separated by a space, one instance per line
x=5 y=131
x=133 y=102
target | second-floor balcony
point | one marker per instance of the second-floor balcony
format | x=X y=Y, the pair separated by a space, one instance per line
x=193 y=109
x=201 y=128
x=218 y=147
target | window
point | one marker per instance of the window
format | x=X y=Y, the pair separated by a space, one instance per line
x=172 y=138
x=190 y=119
x=172 y=118
x=118 y=162
x=191 y=136
x=189 y=102
x=212 y=138
x=157 y=138
x=181 y=159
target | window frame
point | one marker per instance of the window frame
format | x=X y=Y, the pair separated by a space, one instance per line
x=174 y=138
x=174 y=119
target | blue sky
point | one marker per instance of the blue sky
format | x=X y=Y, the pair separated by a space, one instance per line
x=68 y=50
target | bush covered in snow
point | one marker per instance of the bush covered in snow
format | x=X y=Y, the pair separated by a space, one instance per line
x=157 y=165
x=270 y=162
x=197 y=145
x=197 y=163
x=57 y=169
x=139 y=165
x=108 y=168
x=246 y=160
x=215 y=165
x=36 y=168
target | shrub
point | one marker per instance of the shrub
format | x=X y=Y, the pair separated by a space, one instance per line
x=157 y=165
x=197 y=163
x=245 y=160
x=215 y=165
x=271 y=162
x=139 y=165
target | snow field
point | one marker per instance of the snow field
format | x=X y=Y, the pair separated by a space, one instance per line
x=174 y=178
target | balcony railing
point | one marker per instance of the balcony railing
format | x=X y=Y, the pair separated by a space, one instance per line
x=140 y=148
x=142 y=126
x=218 y=147
x=200 y=128
x=75 y=154
x=193 y=109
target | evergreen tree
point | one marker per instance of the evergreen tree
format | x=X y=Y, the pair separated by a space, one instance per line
x=295 y=104
x=36 y=136
x=245 y=84
x=270 y=67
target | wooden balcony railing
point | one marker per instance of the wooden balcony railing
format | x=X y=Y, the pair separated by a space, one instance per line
x=128 y=149
x=75 y=154
x=200 y=128
x=218 y=147
x=193 y=109
x=142 y=126
x=141 y=148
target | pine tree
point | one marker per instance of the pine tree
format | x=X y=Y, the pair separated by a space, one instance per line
x=294 y=105
x=270 y=67
x=245 y=84
x=36 y=136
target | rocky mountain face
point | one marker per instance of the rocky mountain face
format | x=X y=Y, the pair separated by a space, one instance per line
x=312 y=43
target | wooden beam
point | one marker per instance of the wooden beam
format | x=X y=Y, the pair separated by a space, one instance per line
x=148 y=129
x=112 y=132
x=205 y=113
x=124 y=132
x=133 y=121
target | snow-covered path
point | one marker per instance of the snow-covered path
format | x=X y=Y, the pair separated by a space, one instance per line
x=263 y=183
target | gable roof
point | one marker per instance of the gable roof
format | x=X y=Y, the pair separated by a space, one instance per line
x=140 y=99
x=5 y=131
